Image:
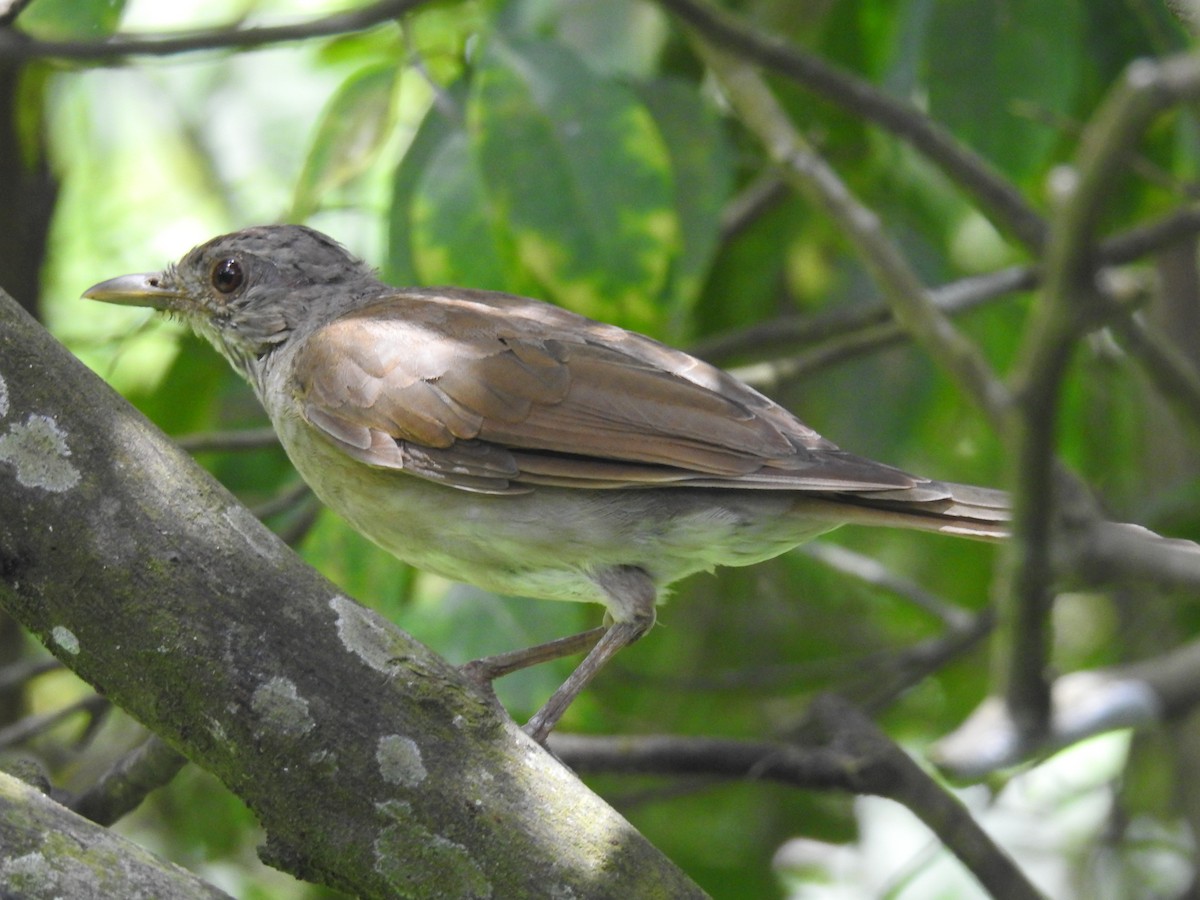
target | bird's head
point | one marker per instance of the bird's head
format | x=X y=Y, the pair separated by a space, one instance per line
x=249 y=291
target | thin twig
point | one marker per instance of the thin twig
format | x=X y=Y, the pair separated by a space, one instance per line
x=1072 y=302
x=945 y=815
x=31 y=726
x=285 y=501
x=296 y=530
x=809 y=174
x=16 y=47
x=24 y=670
x=15 y=8
x=121 y=790
x=868 y=326
x=1172 y=373
x=916 y=663
x=850 y=754
x=875 y=573
x=993 y=193
x=760 y=195
x=1101 y=552
x=1083 y=704
x=225 y=441
x=450 y=109
x=1150 y=236
x=813 y=768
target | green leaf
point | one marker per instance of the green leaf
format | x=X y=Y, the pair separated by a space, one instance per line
x=702 y=165
x=612 y=36
x=454 y=239
x=63 y=20
x=994 y=66
x=579 y=175
x=435 y=129
x=354 y=126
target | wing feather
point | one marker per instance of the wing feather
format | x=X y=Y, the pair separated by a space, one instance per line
x=490 y=392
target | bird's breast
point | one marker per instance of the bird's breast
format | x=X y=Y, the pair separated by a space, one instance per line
x=546 y=543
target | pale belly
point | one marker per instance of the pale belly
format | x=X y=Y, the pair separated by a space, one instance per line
x=551 y=542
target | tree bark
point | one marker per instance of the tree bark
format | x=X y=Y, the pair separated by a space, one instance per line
x=373 y=765
x=46 y=852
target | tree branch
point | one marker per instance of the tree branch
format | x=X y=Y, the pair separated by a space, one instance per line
x=1172 y=373
x=29 y=727
x=993 y=193
x=17 y=47
x=373 y=765
x=1083 y=704
x=48 y=851
x=809 y=174
x=865 y=327
x=15 y=8
x=849 y=754
x=1072 y=302
x=121 y=790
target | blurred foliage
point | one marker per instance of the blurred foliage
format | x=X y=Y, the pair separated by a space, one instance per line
x=65 y=19
x=575 y=151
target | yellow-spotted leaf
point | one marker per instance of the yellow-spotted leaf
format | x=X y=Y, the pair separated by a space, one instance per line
x=702 y=167
x=454 y=238
x=576 y=171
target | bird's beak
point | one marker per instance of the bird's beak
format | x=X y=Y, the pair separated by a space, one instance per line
x=151 y=289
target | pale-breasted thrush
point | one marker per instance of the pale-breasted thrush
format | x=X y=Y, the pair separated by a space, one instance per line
x=508 y=443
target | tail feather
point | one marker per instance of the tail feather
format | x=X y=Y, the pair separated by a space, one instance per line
x=1108 y=548
x=938 y=506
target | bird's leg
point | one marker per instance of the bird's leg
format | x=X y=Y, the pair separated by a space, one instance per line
x=633 y=596
x=618 y=636
x=489 y=668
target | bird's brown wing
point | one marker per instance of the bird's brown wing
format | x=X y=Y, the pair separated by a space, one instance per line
x=495 y=393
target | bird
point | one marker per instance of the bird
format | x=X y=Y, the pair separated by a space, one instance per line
x=523 y=448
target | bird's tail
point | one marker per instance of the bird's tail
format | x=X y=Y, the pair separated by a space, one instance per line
x=940 y=506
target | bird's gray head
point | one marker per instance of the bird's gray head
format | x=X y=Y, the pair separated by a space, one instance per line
x=248 y=291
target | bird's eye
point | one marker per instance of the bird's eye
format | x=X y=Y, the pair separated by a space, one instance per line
x=227 y=276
